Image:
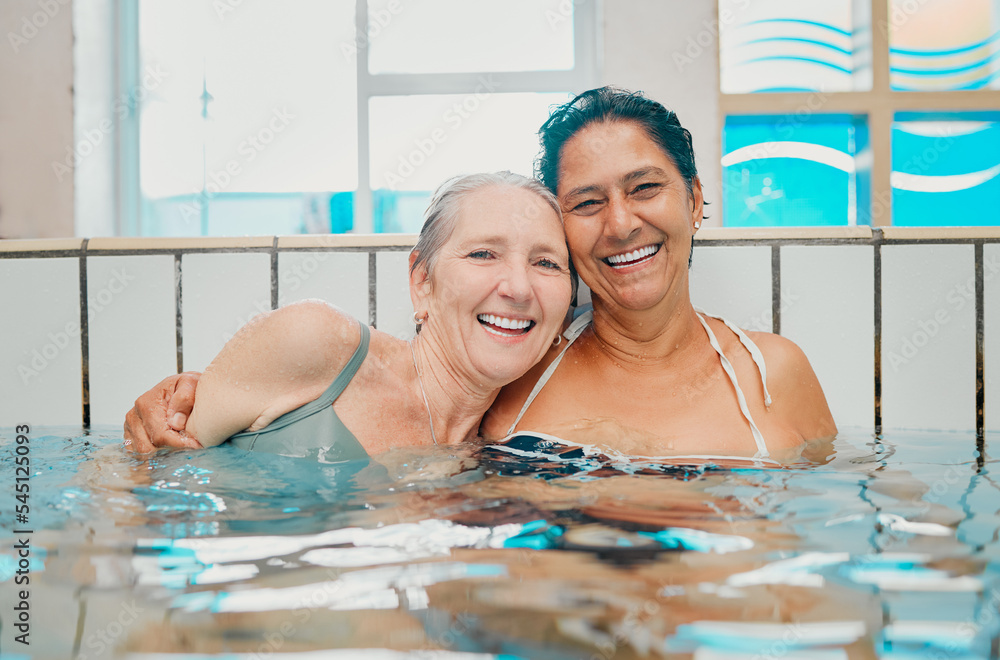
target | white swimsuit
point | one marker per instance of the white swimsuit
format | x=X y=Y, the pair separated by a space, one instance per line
x=579 y=324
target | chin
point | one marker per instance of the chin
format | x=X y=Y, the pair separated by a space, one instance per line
x=507 y=372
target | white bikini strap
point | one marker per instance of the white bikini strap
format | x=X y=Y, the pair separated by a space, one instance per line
x=758 y=357
x=758 y=437
x=571 y=333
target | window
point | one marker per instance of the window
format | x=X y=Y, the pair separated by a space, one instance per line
x=860 y=112
x=272 y=117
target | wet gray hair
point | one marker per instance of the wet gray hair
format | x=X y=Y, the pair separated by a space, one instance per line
x=441 y=213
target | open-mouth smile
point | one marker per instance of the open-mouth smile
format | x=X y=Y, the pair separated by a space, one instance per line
x=634 y=257
x=504 y=326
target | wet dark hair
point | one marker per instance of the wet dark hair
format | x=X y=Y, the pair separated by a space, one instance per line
x=611 y=104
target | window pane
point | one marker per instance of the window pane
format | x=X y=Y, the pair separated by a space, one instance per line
x=784 y=171
x=446 y=135
x=946 y=170
x=453 y=36
x=789 y=45
x=944 y=44
x=254 y=99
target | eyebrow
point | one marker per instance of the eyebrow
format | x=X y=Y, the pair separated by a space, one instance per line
x=628 y=178
x=490 y=239
x=640 y=173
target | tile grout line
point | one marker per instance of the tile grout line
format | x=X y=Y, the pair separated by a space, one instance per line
x=178 y=310
x=980 y=348
x=84 y=338
x=877 y=303
x=274 y=274
x=372 y=280
x=776 y=289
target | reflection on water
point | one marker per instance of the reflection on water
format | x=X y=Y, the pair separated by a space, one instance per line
x=858 y=548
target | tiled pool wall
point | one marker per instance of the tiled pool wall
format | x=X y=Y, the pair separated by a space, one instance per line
x=901 y=325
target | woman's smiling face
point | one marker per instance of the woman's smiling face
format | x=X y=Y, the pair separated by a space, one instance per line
x=629 y=218
x=500 y=286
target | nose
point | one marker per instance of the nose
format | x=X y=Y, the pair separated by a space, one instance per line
x=514 y=284
x=620 y=222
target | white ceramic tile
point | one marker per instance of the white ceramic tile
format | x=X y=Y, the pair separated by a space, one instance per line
x=40 y=363
x=928 y=337
x=133 y=342
x=991 y=322
x=340 y=278
x=827 y=308
x=219 y=294
x=394 y=309
x=734 y=282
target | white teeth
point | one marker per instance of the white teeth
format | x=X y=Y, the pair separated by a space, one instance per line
x=635 y=255
x=504 y=322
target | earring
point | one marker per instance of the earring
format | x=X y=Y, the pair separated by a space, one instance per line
x=557 y=340
x=697 y=224
x=417 y=319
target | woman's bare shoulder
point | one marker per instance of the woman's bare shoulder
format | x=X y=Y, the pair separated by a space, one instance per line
x=782 y=351
x=794 y=387
x=310 y=335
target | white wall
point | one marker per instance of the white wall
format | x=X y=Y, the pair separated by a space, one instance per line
x=36 y=118
x=657 y=46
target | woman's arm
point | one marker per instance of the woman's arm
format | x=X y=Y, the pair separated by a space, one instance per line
x=276 y=363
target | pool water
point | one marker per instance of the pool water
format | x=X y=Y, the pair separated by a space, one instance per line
x=871 y=547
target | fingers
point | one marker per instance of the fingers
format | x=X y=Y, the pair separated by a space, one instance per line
x=146 y=427
x=136 y=439
x=181 y=402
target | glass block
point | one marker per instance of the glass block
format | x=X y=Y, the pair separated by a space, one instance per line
x=212 y=133
x=945 y=169
x=460 y=36
x=791 y=46
x=786 y=171
x=938 y=45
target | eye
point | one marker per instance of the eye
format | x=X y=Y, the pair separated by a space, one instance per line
x=480 y=254
x=548 y=263
x=586 y=207
x=645 y=189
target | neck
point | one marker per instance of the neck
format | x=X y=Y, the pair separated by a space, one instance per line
x=650 y=336
x=456 y=403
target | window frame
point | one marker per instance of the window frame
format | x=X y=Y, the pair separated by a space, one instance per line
x=879 y=105
x=585 y=74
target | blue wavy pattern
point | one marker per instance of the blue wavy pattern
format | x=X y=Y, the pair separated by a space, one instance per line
x=800 y=21
x=978 y=83
x=803 y=40
x=948 y=70
x=799 y=47
x=797 y=58
x=961 y=154
x=945 y=51
x=925 y=73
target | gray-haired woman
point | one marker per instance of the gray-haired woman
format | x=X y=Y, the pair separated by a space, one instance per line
x=490 y=283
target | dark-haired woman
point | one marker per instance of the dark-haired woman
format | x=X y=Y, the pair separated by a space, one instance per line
x=646 y=373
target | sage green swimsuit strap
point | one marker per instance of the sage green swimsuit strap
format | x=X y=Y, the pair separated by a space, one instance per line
x=313 y=430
